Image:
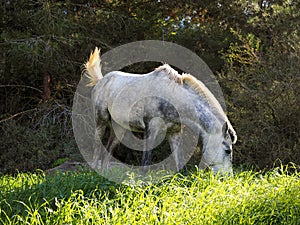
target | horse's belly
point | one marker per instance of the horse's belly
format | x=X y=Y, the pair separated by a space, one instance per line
x=138 y=117
x=129 y=119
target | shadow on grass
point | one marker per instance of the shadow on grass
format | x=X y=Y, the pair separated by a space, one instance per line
x=25 y=192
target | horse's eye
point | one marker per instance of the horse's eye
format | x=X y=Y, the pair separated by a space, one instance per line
x=228 y=151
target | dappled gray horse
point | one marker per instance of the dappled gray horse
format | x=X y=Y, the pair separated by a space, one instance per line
x=159 y=104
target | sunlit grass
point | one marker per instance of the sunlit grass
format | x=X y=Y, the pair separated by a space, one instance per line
x=197 y=198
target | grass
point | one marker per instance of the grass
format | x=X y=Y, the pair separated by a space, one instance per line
x=196 y=198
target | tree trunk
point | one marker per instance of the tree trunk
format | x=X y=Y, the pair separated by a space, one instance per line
x=46 y=87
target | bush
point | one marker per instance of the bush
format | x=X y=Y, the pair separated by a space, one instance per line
x=37 y=143
x=262 y=86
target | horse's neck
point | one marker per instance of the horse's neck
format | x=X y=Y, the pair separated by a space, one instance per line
x=201 y=118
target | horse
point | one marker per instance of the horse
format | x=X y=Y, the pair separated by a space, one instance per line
x=159 y=104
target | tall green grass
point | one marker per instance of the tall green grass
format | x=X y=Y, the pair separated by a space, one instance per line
x=196 y=198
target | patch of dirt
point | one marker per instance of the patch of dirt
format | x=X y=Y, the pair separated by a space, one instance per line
x=68 y=166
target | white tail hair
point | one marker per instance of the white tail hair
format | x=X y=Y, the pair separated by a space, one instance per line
x=93 y=68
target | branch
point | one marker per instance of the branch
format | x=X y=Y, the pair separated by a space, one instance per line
x=21 y=86
x=17 y=114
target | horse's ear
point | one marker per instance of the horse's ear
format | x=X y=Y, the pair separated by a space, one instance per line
x=232 y=136
x=228 y=128
x=224 y=128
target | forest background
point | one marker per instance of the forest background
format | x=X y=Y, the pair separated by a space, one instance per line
x=253 y=48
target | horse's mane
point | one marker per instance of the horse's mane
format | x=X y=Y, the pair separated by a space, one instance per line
x=173 y=74
x=200 y=89
x=195 y=85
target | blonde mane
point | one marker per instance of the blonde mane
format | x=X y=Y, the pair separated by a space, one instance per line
x=197 y=86
x=173 y=74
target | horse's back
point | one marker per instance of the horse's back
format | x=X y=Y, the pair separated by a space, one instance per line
x=119 y=83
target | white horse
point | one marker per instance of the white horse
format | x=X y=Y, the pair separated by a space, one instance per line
x=160 y=104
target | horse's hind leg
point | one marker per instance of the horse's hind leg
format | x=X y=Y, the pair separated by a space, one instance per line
x=113 y=141
x=99 y=132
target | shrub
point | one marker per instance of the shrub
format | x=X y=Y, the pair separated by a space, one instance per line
x=37 y=143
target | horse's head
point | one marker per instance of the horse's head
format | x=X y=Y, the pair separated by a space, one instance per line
x=217 y=150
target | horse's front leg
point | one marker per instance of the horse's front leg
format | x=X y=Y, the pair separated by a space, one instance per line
x=176 y=145
x=147 y=151
x=157 y=132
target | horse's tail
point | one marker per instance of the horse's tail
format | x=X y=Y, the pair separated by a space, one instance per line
x=93 y=68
